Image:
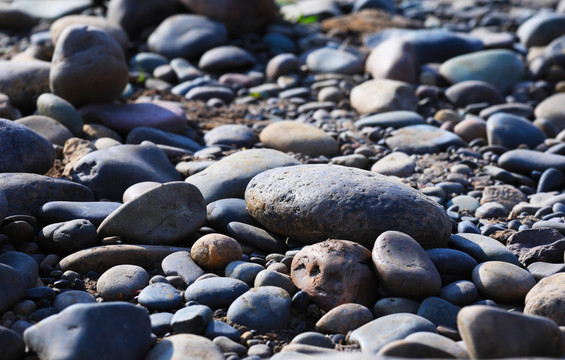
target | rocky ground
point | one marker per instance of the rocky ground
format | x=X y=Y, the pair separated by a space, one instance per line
x=347 y=179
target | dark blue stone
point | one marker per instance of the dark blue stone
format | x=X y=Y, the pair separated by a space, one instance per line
x=219 y=328
x=161 y=323
x=40 y=292
x=12 y=344
x=550 y=180
x=192 y=319
x=94 y=211
x=439 y=311
x=216 y=292
x=161 y=297
x=244 y=271
x=22 y=263
x=452 y=264
x=256 y=237
x=224 y=211
x=511 y=131
x=467 y=227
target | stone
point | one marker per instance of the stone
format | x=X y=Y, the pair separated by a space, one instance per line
x=440 y=342
x=263 y=308
x=88 y=66
x=524 y=161
x=546 y=299
x=13 y=346
x=506 y=195
x=47 y=127
x=344 y=318
x=460 y=292
x=550 y=109
x=215 y=251
x=123 y=166
x=231 y=134
x=304 y=203
x=61 y=211
x=471 y=128
x=491 y=210
x=160 y=297
x=382 y=95
x=27 y=193
x=534 y=245
x=405 y=348
x=185 y=346
x=222 y=212
x=541 y=29
x=161 y=137
x=511 y=131
x=281 y=64
x=540 y=270
x=502 y=281
x=206 y=93
x=136 y=190
x=490 y=332
x=249 y=17
x=23 y=82
x=71 y=297
x=134 y=17
x=217 y=293
x=256 y=237
x=244 y=271
x=161 y=323
x=334 y=272
x=470 y=92
x=7 y=111
x=314 y=339
x=328 y=60
x=395 y=305
x=275 y=278
x=482 y=248
x=464 y=202
x=62 y=111
x=24 y=150
x=395 y=164
x=101 y=23
x=226 y=58
x=101 y=258
x=293 y=136
x=229 y=177
x=13 y=286
x=121 y=282
x=186 y=36
x=181 y=264
x=395 y=119
x=550 y=180
x=192 y=319
x=392 y=59
x=16 y=19
x=421 y=139
x=92 y=331
x=52 y=9
x=499 y=67
x=374 y=335
x=123 y=118
x=439 y=311
x=68 y=237
x=3 y=206
x=404 y=267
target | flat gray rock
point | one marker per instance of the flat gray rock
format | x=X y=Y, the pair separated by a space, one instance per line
x=482 y=248
x=94 y=211
x=524 y=161
x=421 y=139
x=181 y=264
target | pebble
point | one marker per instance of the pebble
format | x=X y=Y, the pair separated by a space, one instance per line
x=546 y=299
x=47 y=127
x=238 y=135
x=395 y=164
x=307 y=190
x=185 y=346
x=403 y=348
x=281 y=64
x=535 y=245
x=470 y=92
x=160 y=297
x=511 y=131
x=215 y=251
x=217 y=328
x=256 y=237
x=502 y=281
x=71 y=297
x=68 y=237
x=121 y=282
x=24 y=264
x=217 y=292
x=161 y=323
x=334 y=272
x=12 y=344
x=460 y=292
x=244 y=271
x=180 y=263
x=161 y=216
x=540 y=270
x=161 y=137
x=541 y=29
x=392 y=59
x=192 y=319
x=421 y=139
x=263 y=308
x=440 y=342
x=12 y=285
x=343 y=318
x=382 y=95
x=404 y=267
x=97 y=335
x=490 y=332
x=328 y=60
x=226 y=58
x=395 y=119
x=292 y=136
x=222 y=212
x=439 y=311
x=483 y=248
x=24 y=81
x=273 y=278
x=395 y=305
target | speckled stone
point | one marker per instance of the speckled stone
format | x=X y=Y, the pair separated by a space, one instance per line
x=547 y=299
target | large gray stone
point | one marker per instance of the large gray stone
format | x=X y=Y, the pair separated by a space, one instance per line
x=311 y=203
x=24 y=81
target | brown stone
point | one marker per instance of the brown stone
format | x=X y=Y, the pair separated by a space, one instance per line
x=335 y=272
x=507 y=195
x=471 y=128
x=533 y=245
x=547 y=299
x=215 y=251
x=393 y=59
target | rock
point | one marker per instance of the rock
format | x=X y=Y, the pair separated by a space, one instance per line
x=239 y=18
x=143 y=133
x=395 y=119
x=24 y=150
x=19 y=20
x=382 y=95
x=101 y=258
x=123 y=118
x=217 y=293
x=121 y=282
x=47 y=127
x=264 y=308
x=161 y=323
x=439 y=311
x=90 y=331
x=395 y=164
x=256 y=237
x=328 y=60
x=461 y=292
x=511 y=131
x=7 y=111
x=334 y=272
x=499 y=67
x=540 y=270
x=68 y=237
x=160 y=297
x=224 y=211
x=344 y=318
x=313 y=338
x=24 y=82
x=226 y=58
x=27 y=193
x=12 y=344
x=186 y=36
x=134 y=17
x=550 y=180
x=228 y=177
x=421 y=139
x=506 y=195
x=231 y=134
x=136 y=190
x=71 y=297
x=185 y=346
x=534 y=245
x=482 y=248
x=50 y=10
x=541 y=29
x=439 y=342
x=123 y=166
x=501 y=281
x=206 y=93
x=88 y=66
x=313 y=197
x=12 y=285
x=472 y=92
x=394 y=305
x=376 y=334
x=62 y=111
x=293 y=136
x=546 y=299
x=215 y=251
x=61 y=211
x=280 y=65
x=524 y=161
x=491 y=210
x=393 y=59
x=3 y=206
x=192 y=319
x=550 y=109
x=275 y=278
x=181 y=264
x=489 y=332
x=406 y=348
x=471 y=128
x=101 y=23
x=244 y=271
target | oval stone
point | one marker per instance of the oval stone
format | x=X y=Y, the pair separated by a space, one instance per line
x=547 y=298
x=501 y=281
x=382 y=95
x=47 y=127
x=217 y=292
x=121 y=282
x=215 y=251
x=344 y=318
x=511 y=131
x=294 y=136
x=24 y=82
x=311 y=203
